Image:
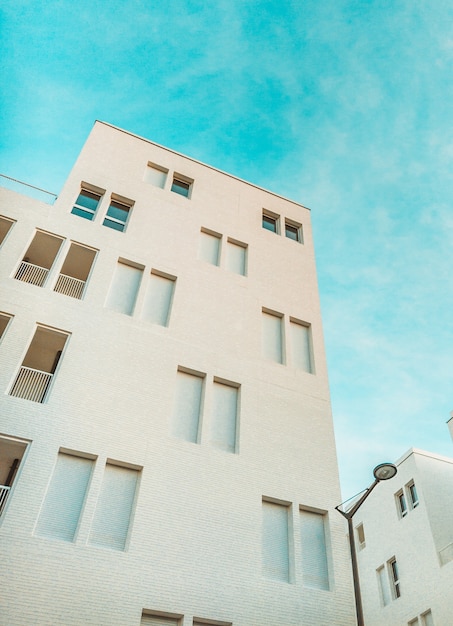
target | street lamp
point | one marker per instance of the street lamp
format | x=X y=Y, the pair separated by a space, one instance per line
x=383 y=471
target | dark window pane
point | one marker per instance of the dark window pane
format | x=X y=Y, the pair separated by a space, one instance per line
x=114 y=225
x=118 y=211
x=81 y=213
x=292 y=232
x=269 y=223
x=88 y=200
x=181 y=187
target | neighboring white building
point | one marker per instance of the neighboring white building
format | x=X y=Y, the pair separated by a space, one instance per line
x=404 y=540
x=166 y=451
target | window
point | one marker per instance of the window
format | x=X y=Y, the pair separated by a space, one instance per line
x=413 y=622
x=401 y=504
x=12 y=452
x=275 y=541
x=155 y=175
x=360 y=531
x=209 y=250
x=65 y=497
x=427 y=619
x=293 y=231
x=124 y=288
x=187 y=409
x=301 y=353
x=413 y=496
x=394 y=578
x=384 y=591
x=114 y=508
x=39 y=366
x=4 y=322
x=159 y=298
x=224 y=415
x=270 y=221
x=315 y=572
x=160 y=619
x=198 y=621
x=86 y=204
x=117 y=215
x=182 y=185
x=74 y=273
x=273 y=336
x=237 y=257
x=39 y=258
x=5 y=226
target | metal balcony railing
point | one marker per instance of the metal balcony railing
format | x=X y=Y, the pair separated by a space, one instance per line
x=4 y=492
x=70 y=286
x=31 y=384
x=446 y=554
x=33 y=274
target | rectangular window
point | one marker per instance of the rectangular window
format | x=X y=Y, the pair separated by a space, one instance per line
x=75 y=270
x=114 y=508
x=413 y=622
x=209 y=250
x=401 y=504
x=5 y=319
x=159 y=298
x=86 y=204
x=275 y=541
x=39 y=258
x=5 y=226
x=360 y=531
x=182 y=185
x=187 y=410
x=198 y=621
x=237 y=257
x=427 y=619
x=155 y=175
x=117 y=215
x=394 y=578
x=124 y=288
x=384 y=591
x=224 y=415
x=293 y=231
x=273 y=336
x=160 y=619
x=271 y=222
x=39 y=366
x=301 y=351
x=413 y=496
x=12 y=452
x=65 y=497
x=315 y=572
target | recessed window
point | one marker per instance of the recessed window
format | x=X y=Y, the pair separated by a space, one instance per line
x=315 y=570
x=117 y=215
x=181 y=185
x=270 y=222
x=384 y=591
x=5 y=319
x=5 y=226
x=155 y=175
x=427 y=619
x=160 y=619
x=124 y=287
x=275 y=541
x=394 y=578
x=86 y=204
x=11 y=454
x=186 y=420
x=39 y=258
x=293 y=231
x=75 y=270
x=236 y=260
x=413 y=495
x=401 y=504
x=272 y=337
x=360 y=536
x=209 y=249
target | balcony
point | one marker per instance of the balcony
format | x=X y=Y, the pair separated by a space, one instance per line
x=69 y=286
x=33 y=274
x=39 y=258
x=31 y=384
x=75 y=271
x=11 y=454
x=4 y=493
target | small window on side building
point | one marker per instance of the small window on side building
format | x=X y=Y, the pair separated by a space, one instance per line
x=117 y=215
x=271 y=222
x=86 y=204
x=181 y=185
x=293 y=231
x=394 y=578
x=360 y=536
x=401 y=504
x=155 y=175
x=413 y=496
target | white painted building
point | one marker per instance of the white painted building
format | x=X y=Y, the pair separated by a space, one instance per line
x=166 y=451
x=404 y=541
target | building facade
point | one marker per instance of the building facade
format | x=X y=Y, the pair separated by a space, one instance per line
x=404 y=542
x=166 y=451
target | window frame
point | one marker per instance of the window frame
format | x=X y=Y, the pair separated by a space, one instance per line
x=401 y=504
x=85 y=189
x=296 y=228
x=414 y=500
x=183 y=182
x=122 y=205
x=394 y=578
x=269 y=217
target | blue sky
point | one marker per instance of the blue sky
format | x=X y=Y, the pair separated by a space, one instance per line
x=345 y=106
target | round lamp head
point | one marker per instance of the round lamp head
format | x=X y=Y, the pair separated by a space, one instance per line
x=384 y=471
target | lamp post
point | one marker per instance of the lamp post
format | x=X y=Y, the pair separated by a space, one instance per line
x=383 y=471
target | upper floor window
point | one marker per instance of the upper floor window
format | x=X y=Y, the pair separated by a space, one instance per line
x=117 y=215
x=293 y=231
x=155 y=175
x=394 y=578
x=86 y=204
x=5 y=226
x=270 y=221
x=5 y=319
x=413 y=494
x=39 y=258
x=401 y=503
x=75 y=270
x=11 y=454
x=182 y=185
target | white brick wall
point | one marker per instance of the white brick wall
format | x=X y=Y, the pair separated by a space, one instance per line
x=195 y=545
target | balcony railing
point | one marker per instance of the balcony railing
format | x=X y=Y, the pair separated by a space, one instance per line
x=446 y=554
x=4 y=492
x=70 y=286
x=31 y=384
x=33 y=274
